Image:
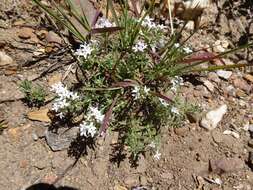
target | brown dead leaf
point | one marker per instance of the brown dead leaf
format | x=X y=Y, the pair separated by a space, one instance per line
x=39 y=115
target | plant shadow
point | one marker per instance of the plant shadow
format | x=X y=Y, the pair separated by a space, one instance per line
x=80 y=146
x=46 y=186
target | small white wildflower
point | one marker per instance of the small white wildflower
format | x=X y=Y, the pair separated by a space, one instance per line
x=140 y=46
x=59 y=104
x=87 y=129
x=176 y=45
x=136 y=92
x=61 y=115
x=60 y=90
x=163 y=102
x=148 y=22
x=161 y=26
x=146 y=90
x=187 y=50
x=152 y=145
x=84 y=50
x=74 y=96
x=94 y=112
x=63 y=97
x=157 y=155
x=56 y=107
x=175 y=110
x=104 y=23
x=177 y=81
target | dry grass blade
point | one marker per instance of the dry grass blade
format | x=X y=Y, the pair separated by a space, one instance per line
x=105 y=30
x=107 y=118
x=162 y=96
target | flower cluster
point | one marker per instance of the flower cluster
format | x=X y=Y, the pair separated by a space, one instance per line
x=84 y=50
x=64 y=96
x=187 y=50
x=136 y=92
x=96 y=114
x=139 y=46
x=175 y=110
x=88 y=127
x=104 y=23
x=149 y=23
x=177 y=81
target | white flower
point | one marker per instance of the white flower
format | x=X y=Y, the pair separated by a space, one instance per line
x=146 y=90
x=60 y=90
x=187 y=50
x=84 y=50
x=94 y=112
x=73 y=95
x=152 y=145
x=61 y=115
x=157 y=155
x=161 y=26
x=163 y=102
x=87 y=129
x=175 y=110
x=136 y=92
x=176 y=45
x=104 y=23
x=60 y=104
x=140 y=46
x=177 y=81
x=148 y=22
x=63 y=97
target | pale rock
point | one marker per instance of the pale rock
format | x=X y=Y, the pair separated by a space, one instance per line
x=220 y=46
x=213 y=117
x=190 y=25
x=5 y=59
x=228 y=62
x=224 y=74
x=234 y=134
x=209 y=85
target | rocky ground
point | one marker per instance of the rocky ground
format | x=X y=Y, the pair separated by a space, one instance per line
x=195 y=156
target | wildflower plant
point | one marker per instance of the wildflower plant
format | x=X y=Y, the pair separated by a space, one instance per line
x=131 y=70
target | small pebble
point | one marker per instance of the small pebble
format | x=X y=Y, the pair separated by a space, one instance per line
x=213 y=117
x=224 y=74
x=35 y=136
